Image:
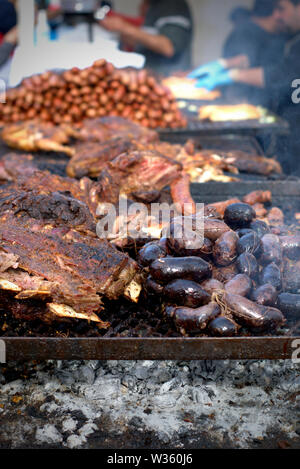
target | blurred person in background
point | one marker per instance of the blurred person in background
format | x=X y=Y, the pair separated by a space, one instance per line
x=258 y=39
x=8 y=30
x=259 y=35
x=278 y=79
x=165 y=38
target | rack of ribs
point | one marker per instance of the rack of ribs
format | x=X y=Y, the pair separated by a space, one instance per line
x=70 y=273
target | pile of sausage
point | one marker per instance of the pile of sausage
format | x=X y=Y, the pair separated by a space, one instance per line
x=244 y=279
x=97 y=91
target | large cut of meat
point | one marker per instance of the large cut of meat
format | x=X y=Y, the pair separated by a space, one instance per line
x=90 y=158
x=138 y=171
x=13 y=165
x=53 y=208
x=72 y=275
x=105 y=128
x=26 y=176
x=36 y=136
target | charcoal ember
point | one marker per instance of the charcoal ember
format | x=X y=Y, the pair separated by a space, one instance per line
x=186 y=293
x=271 y=274
x=239 y=215
x=225 y=249
x=241 y=285
x=266 y=295
x=223 y=327
x=249 y=243
x=247 y=264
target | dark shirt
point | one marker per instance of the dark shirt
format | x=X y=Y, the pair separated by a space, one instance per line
x=171 y=19
x=6 y=49
x=262 y=48
x=8 y=16
x=278 y=80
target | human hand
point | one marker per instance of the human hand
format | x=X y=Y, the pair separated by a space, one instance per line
x=12 y=36
x=214 y=81
x=210 y=68
x=114 y=24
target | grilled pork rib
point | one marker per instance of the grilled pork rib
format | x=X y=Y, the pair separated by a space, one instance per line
x=71 y=274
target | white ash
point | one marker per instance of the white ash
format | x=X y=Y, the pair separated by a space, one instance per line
x=161 y=404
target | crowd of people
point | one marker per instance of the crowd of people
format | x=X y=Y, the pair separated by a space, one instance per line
x=259 y=63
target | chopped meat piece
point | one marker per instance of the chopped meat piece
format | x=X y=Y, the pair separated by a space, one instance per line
x=91 y=158
x=258 y=197
x=254 y=164
x=275 y=217
x=141 y=171
x=35 y=136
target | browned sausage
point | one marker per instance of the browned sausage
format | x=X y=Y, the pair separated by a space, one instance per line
x=193 y=321
x=258 y=197
x=186 y=293
x=225 y=249
x=181 y=195
x=240 y=285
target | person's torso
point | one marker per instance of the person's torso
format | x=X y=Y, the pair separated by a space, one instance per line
x=158 y=16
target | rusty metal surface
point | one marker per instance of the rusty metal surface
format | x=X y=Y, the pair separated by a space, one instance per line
x=150 y=349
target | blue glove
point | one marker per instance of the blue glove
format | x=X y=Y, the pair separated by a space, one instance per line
x=212 y=68
x=214 y=81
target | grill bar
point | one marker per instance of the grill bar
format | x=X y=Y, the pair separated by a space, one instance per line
x=269 y=348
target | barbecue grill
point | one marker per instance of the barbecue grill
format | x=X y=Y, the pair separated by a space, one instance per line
x=246 y=127
x=120 y=343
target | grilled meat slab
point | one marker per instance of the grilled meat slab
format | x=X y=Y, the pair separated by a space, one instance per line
x=105 y=128
x=74 y=273
x=36 y=136
x=138 y=171
x=91 y=158
x=52 y=208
